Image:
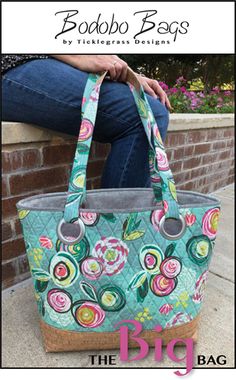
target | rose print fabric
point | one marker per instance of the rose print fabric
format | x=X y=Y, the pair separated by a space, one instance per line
x=122 y=266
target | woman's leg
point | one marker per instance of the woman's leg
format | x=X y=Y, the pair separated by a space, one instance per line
x=127 y=163
x=46 y=92
x=49 y=93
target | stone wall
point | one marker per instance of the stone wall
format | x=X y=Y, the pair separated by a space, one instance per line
x=35 y=160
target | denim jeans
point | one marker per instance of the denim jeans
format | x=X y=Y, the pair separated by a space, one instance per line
x=49 y=92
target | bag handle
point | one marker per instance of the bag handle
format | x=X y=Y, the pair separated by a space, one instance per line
x=161 y=175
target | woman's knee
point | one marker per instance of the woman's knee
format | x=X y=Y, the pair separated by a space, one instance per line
x=161 y=115
x=52 y=78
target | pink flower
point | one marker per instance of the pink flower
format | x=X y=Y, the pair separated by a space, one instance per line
x=45 y=242
x=89 y=314
x=210 y=222
x=190 y=219
x=162 y=286
x=166 y=308
x=112 y=254
x=170 y=267
x=181 y=80
x=59 y=300
x=178 y=319
x=86 y=130
x=200 y=287
x=216 y=90
x=156 y=216
x=192 y=94
x=183 y=89
x=173 y=90
x=227 y=93
x=201 y=95
x=89 y=218
x=91 y=268
x=188 y=95
x=95 y=94
x=162 y=159
x=156 y=132
x=166 y=206
x=195 y=102
x=163 y=86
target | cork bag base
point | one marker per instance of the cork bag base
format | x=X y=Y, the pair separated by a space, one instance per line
x=56 y=340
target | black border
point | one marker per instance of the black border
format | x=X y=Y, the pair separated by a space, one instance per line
x=116 y=367
x=132 y=1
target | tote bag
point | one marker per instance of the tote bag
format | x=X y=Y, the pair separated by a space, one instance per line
x=101 y=258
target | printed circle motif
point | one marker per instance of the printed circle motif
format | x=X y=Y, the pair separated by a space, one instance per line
x=86 y=130
x=162 y=286
x=111 y=298
x=91 y=268
x=63 y=269
x=161 y=162
x=171 y=267
x=156 y=216
x=199 y=249
x=59 y=300
x=88 y=314
x=210 y=222
x=89 y=218
x=78 y=250
x=150 y=258
x=112 y=253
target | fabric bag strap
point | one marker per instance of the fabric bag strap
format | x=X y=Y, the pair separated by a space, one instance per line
x=161 y=176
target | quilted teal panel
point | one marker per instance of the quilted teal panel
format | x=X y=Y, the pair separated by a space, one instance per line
x=122 y=269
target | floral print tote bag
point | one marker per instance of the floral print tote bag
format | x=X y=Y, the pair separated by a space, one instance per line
x=101 y=258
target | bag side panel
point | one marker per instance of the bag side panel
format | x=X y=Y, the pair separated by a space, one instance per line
x=122 y=269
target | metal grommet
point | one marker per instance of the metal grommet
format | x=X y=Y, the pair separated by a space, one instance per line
x=171 y=229
x=73 y=232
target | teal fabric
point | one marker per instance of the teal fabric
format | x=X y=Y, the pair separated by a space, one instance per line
x=127 y=260
x=123 y=268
